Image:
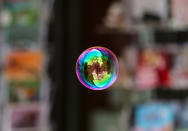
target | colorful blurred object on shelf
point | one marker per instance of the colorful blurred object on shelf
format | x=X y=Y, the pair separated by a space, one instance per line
x=154 y=117
x=20 y=21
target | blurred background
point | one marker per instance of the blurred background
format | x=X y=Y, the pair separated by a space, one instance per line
x=40 y=41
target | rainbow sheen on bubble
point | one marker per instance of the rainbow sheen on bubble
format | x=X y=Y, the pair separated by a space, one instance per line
x=97 y=68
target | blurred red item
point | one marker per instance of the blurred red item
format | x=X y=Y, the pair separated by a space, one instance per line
x=153 y=69
x=163 y=70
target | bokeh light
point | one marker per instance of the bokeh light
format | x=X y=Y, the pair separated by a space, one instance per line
x=97 y=68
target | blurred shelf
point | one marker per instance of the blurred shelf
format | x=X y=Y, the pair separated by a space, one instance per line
x=161 y=34
x=102 y=30
x=180 y=94
x=159 y=93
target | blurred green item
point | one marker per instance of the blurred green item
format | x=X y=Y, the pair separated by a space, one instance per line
x=105 y=121
x=21 y=21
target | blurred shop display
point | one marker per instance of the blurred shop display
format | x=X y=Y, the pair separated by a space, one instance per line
x=148 y=116
x=153 y=67
x=132 y=15
x=150 y=93
x=152 y=63
x=24 y=86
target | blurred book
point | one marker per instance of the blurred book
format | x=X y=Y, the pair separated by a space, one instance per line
x=179 y=14
x=25 y=117
x=179 y=72
x=24 y=91
x=20 y=21
x=154 y=117
x=182 y=118
x=24 y=65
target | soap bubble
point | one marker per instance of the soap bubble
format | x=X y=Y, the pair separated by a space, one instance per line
x=97 y=68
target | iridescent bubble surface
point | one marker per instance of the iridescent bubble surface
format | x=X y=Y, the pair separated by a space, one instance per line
x=97 y=68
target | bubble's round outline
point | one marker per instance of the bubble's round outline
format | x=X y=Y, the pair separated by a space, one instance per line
x=115 y=59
